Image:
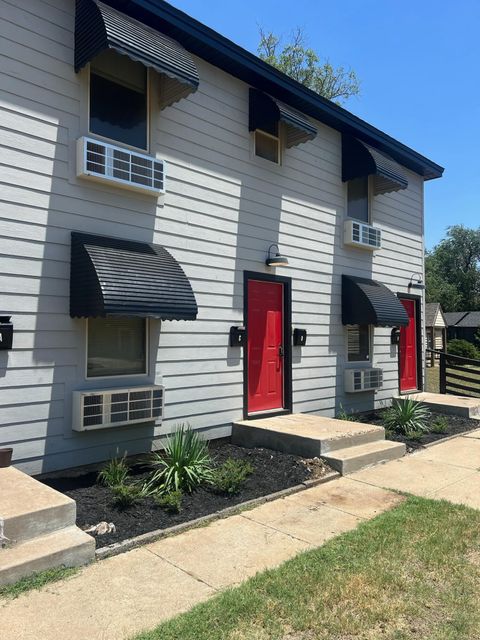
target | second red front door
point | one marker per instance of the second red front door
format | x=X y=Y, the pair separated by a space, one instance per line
x=265 y=364
x=408 y=349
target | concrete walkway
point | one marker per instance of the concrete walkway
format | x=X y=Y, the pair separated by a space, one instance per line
x=120 y=596
x=449 y=470
x=123 y=595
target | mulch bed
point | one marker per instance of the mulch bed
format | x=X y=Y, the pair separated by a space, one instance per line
x=456 y=426
x=273 y=471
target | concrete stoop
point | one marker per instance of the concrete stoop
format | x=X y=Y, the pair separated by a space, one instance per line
x=446 y=403
x=353 y=459
x=346 y=446
x=37 y=526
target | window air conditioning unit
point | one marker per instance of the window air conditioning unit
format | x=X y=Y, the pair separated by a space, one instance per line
x=104 y=162
x=361 y=235
x=363 y=380
x=106 y=408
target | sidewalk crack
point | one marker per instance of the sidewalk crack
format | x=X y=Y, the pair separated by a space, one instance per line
x=269 y=526
x=188 y=573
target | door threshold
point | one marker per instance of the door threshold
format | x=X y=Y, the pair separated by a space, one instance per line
x=267 y=413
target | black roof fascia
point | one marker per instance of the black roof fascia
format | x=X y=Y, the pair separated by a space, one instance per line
x=225 y=54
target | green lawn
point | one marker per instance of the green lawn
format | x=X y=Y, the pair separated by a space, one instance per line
x=37 y=581
x=432 y=380
x=413 y=572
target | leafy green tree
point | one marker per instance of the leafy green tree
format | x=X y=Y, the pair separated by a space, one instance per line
x=304 y=65
x=438 y=289
x=452 y=270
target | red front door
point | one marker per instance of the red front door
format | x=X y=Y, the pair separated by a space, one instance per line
x=408 y=349
x=265 y=345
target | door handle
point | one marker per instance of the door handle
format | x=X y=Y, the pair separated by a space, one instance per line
x=280 y=351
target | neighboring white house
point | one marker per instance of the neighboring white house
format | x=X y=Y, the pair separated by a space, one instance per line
x=151 y=169
x=436 y=330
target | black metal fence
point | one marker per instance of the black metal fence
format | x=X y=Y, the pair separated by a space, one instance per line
x=459 y=376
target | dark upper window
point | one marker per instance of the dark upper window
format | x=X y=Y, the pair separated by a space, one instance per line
x=118 y=99
x=358 y=199
x=358 y=342
x=267 y=145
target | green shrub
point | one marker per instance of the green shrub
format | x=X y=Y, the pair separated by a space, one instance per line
x=124 y=495
x=184 y=465
x=343 y=415
x=407 y=417
x=114 y=473
x=463 y=348
x=230 y=476
x=439 y=425
x=171 y=501
x=416 y=436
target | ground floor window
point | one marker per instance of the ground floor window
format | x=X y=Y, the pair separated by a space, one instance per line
x=358 y=343
x=116 y=346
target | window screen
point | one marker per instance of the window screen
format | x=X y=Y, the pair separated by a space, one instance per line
x=118 y=99
x=267 y=146
x=358 y=199
x=116 y=347
x=358 y=342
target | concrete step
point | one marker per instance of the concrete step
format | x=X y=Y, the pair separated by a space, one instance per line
x=69 y=547
x=29 y=508
x=446 y=403
x=303 y=434
x=352 y=459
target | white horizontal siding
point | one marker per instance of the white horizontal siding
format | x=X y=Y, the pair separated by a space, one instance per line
x=221 y=211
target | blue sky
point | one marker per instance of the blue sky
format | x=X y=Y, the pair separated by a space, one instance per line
x=418 y=63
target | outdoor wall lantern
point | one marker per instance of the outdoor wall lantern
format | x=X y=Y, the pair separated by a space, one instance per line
x=276 y=260
x=416 y=282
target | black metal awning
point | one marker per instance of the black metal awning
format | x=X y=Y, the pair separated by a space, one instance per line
x=99 y=27
x=266 y=112
x=113 y=277
x=359 y=159
x=366 y=301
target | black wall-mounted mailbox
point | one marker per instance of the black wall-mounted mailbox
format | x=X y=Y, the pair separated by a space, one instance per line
x=237 y=336
x=299 y=337
x=395 y=336
x=6 y=333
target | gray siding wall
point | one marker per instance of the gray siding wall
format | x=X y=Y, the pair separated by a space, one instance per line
x=222 y=209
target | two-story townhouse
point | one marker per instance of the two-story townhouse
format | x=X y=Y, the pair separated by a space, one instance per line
x=189 y=236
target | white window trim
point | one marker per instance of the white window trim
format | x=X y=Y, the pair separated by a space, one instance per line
x=112 y=141
x=121 y=375
x=279 y=138
x=370 y=196
x=360 y=363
